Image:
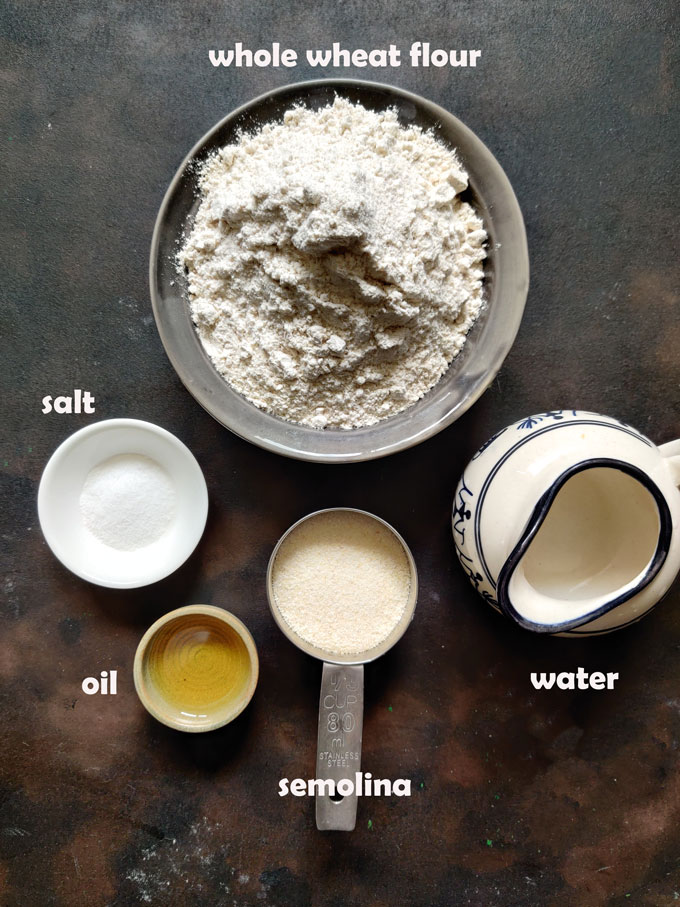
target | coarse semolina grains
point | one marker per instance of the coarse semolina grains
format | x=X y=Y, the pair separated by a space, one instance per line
x=341 y=580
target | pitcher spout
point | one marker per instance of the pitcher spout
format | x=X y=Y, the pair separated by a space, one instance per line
x=595 y=539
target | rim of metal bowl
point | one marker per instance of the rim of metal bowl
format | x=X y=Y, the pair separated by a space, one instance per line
x=235 y=412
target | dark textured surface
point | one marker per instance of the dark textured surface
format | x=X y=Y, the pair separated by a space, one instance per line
x=520 y=798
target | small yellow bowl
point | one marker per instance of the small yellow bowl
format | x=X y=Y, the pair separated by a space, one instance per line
x=196 y=668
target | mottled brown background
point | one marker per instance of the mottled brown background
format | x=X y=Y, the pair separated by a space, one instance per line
x=520 y=798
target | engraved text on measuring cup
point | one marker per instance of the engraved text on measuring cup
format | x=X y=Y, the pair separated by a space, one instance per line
x=340 y=719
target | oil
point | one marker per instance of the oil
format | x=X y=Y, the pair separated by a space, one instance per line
x=198 y=666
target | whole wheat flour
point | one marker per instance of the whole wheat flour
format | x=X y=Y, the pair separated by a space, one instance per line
x=333 y=271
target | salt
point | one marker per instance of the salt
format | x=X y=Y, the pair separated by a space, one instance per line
x=128 y=502
x=341 y=580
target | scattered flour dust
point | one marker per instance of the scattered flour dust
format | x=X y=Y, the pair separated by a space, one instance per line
x=341 y=581
x=187 y=870
x=197 y=867
x=333 y=270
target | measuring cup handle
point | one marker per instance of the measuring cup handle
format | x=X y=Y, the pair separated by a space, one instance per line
x=671 y=452
x=338 y=751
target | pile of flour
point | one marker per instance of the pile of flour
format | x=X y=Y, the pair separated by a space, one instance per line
x=332 y=269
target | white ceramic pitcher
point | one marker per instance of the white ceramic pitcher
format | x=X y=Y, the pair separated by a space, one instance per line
x=568 y=522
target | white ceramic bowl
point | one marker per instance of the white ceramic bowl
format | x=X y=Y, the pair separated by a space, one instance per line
x=59 y=504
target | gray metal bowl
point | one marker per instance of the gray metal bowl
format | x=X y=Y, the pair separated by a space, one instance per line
x=506 y=280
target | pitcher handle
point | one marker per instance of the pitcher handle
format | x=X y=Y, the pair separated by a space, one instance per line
x=338 y=757
x=671 y=453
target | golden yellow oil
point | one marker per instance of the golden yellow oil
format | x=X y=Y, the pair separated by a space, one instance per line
x=198 y=666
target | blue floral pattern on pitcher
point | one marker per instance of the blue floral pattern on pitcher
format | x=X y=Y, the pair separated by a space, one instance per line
x=531 y=421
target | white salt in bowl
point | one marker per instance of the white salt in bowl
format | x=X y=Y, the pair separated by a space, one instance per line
x=59 y=504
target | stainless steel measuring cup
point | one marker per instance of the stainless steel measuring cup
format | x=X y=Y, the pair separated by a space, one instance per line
x=341 y=704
